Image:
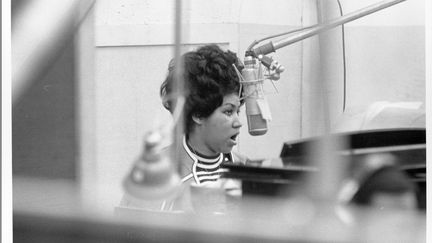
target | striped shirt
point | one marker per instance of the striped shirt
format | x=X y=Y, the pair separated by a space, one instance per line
x=205 y=170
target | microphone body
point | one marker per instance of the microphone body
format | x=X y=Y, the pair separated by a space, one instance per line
x=252 y=89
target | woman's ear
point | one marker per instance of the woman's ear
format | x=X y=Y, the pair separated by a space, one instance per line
x=197 y=119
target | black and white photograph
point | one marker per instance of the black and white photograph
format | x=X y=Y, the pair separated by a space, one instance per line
x=215 y=121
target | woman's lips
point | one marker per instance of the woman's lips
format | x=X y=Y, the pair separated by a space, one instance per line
x=233 y=139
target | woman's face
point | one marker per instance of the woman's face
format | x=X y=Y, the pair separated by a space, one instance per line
x=220 y=130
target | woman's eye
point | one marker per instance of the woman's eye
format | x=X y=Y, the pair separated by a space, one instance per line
x=229 y=112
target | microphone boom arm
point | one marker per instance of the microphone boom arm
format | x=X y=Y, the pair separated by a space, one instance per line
x=272 y=47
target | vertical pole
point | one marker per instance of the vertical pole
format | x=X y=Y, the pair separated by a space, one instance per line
x=178 y=84
x=324 y=186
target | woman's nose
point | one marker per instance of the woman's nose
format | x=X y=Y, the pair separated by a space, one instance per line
x=237 y=123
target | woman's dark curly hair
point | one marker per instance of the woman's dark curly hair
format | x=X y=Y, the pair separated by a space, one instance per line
x=208 y=75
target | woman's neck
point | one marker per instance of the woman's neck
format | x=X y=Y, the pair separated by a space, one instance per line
x=198 y=146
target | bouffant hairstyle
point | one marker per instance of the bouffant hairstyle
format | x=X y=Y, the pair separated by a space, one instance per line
x=208 y=76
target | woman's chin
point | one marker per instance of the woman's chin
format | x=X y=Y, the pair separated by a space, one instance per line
x=227 y=149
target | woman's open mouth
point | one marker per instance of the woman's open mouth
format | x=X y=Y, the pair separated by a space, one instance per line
x=234 y=138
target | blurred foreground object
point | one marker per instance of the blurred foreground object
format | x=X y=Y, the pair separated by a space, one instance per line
x=153 y=175
x=378 y=182
x=40 y=31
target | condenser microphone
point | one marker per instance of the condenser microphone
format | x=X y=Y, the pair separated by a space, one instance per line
x=254 y=97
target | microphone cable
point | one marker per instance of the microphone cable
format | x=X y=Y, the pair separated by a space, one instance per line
x=343 y=58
